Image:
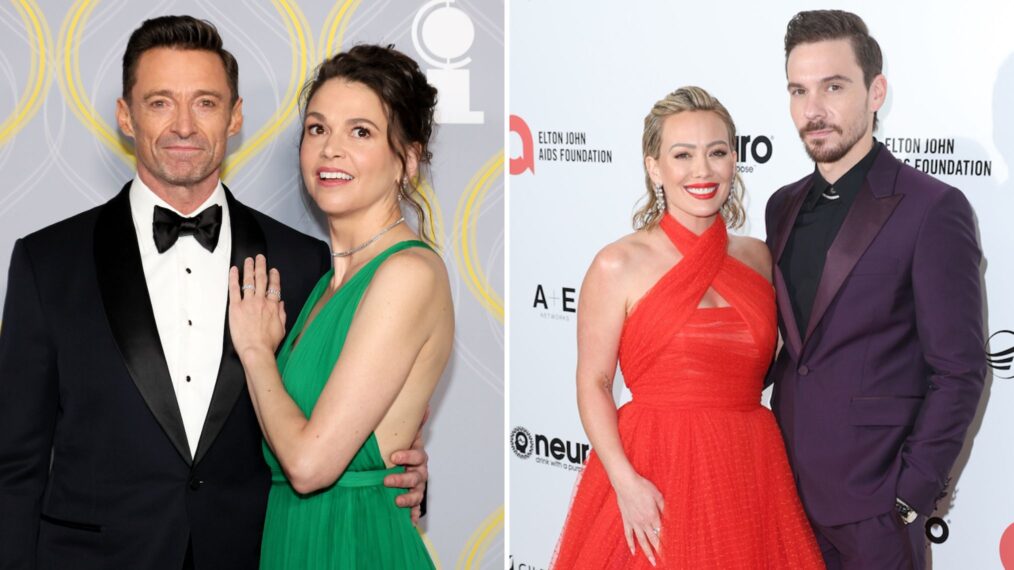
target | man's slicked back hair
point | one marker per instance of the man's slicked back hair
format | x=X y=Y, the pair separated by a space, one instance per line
x=177 y=32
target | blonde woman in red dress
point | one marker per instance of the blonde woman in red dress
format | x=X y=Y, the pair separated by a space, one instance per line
x=692 y=472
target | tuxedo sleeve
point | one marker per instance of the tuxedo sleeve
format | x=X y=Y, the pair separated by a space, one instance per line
x=28 y=408
x=948 y=303
x=324 y=254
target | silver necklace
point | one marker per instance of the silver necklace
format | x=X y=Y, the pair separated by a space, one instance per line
x=363 y=245
x=830 y=194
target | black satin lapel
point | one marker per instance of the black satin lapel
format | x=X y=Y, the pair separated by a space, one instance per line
x=247 y=236
x=863 y=222
x=247 y=241
x=128 y=308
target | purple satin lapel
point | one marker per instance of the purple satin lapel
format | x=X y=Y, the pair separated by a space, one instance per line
x=786 y=221
x=785 y=311
x=862 y=224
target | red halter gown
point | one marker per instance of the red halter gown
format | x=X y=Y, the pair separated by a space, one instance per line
x=696 y=428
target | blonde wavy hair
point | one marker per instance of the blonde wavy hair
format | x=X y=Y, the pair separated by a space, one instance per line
x=685 y=99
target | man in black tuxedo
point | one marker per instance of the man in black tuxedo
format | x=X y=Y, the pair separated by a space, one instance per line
x=127 y=438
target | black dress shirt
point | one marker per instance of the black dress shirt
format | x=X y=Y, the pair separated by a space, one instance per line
x=816 y=226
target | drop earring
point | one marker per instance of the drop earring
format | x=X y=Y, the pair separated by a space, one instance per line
x=659 y=200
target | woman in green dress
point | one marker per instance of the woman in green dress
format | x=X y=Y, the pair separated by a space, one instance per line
x=353 y=380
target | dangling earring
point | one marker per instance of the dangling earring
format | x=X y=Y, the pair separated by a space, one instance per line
x=729 y=210
x=403 y=189
x=659 y=200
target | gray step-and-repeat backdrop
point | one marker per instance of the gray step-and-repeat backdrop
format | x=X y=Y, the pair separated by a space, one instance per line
x=582 y=77
x=60 y=153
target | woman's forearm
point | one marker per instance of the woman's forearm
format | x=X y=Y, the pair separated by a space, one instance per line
x=285 y=426
x=600 y=419
x=315 y=448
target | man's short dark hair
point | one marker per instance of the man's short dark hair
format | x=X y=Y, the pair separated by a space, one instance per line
x=822 y=25
x=177 y=32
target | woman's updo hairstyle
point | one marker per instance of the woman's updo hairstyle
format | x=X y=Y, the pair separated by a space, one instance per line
x=408 y=99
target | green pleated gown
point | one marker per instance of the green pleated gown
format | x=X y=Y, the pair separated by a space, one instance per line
x=354 y=523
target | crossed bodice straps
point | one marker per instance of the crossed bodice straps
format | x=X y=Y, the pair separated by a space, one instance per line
x=663 y=311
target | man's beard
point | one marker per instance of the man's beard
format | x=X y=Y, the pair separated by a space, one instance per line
x=821 y=151
x=185 y=178
x=184 y=173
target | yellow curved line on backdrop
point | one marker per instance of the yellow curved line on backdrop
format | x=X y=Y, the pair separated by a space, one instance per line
x=295 y=24
x=472 y=555
x=70 y=80
x=335 y=24
x=466 y=216
x=430 y=548
x=38 y=75
x=434 y=214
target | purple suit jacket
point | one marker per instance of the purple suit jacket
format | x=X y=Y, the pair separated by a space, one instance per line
x=875 y=397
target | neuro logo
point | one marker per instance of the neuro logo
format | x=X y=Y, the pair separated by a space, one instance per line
x=521 y=442
x=526 y=161
x=752 y=151
x=1000 y=353
x=754 y=148
x=548 y=450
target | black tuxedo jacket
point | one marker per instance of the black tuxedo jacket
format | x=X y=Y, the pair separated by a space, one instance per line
x=95 y=470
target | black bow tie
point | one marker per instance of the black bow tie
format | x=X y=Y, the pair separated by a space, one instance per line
x=168 y=226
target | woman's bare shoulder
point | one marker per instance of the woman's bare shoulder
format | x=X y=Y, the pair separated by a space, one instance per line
x=414 y=262
x=412 y=277
x=753 y=253
x=621 y=256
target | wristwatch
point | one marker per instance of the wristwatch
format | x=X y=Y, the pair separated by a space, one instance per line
x=907 y=513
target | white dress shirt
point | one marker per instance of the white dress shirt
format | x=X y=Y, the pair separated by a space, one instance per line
x=188 y=287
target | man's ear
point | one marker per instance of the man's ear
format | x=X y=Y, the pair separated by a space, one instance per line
x=878 y=92
x=123 y=117
x=236 y=117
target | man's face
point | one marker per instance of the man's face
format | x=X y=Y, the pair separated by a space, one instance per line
x=830 y=104
x=179 y=116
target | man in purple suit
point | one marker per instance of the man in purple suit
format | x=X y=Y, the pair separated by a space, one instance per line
x=878 y=284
